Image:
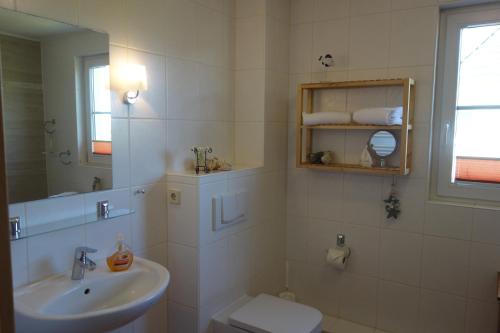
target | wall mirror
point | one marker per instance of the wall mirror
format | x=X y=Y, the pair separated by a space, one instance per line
x=381 y=145
x=56 y=107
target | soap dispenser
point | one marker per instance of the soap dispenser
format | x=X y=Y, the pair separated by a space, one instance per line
x=122 y=258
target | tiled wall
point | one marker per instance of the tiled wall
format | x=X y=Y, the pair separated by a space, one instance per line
x=248 y=258
x=187 y=48
x=432 y=270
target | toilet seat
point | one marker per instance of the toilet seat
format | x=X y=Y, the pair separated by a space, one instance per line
x=269 y=314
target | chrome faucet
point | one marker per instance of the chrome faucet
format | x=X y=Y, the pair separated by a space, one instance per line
x=81 y=262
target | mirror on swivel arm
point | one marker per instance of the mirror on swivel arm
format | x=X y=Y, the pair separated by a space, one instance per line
x=381 y=145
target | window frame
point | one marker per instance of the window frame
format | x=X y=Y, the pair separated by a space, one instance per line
x=87 y=63
x=452 y=21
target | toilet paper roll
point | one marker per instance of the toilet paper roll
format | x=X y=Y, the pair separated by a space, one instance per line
x=337 y=257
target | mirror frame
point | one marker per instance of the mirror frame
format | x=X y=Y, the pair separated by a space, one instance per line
x=378 y=160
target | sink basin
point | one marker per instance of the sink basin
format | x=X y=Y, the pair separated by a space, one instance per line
x=101 y=302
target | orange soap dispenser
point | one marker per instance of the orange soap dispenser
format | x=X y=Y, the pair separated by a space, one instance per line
x=122 y=259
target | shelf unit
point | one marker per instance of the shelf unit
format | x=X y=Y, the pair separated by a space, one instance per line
x=304 y=134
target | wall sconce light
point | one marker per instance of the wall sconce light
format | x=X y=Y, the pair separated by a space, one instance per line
x=134 y=80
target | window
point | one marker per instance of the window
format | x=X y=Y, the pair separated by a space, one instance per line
x=98 y=107
x=468 y=104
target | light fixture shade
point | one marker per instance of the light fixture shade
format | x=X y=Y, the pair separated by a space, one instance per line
x=132 y=77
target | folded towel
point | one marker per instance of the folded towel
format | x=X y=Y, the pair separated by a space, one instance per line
x=379 y=116
x=326 y=118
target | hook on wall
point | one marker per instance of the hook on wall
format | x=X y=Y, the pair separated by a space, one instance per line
x=326 y=60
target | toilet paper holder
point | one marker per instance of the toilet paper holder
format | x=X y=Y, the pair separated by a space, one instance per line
x=340 y=240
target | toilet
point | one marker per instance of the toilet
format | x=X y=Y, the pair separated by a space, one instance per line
x=267 y=314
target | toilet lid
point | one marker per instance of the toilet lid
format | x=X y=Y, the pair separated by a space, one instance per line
x=269 y=314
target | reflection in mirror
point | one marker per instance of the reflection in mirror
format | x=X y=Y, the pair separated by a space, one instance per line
x=56 y=107
x=381 y=145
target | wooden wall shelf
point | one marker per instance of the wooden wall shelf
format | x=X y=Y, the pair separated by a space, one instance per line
x=304 y=134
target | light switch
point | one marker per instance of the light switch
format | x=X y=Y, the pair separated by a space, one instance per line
x=174 y=197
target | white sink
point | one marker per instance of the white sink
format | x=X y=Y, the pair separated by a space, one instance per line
x=102 y=301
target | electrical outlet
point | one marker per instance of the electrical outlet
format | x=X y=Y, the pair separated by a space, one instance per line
x=174 y=197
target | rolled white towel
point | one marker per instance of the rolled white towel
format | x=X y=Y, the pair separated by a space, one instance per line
x=325 y=118
x=379 y=116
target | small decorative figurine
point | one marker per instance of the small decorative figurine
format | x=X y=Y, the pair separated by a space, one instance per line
x=315 y=158
x=216 y=164
x=200 y=158
x=392 y=206
x=321 y=157
x=327 y=157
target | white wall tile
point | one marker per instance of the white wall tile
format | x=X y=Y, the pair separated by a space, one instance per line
x=363 y=7
x=146 y=25
x=250 y=95
x=484 y=265
x=250 y=51
x=181 y=42
x=321 y=235
x=358 y=299
x=362 y=202
x=401 y=255
x=325 y=196
x=398 y=307
x=330 y=9
x=369 y=41
x=301 y=48
x=302 y=11
x=331 y=37
x=214 y=274
x=365 y=249
x=444 y=263
x=481 y=317
x=181 y=318
x=155 y=319
x=249 y=143
x=7 y=4
x=53 y=253
x=212 y=37
x=183 y=135
x=147 y=151
x=413 y=37
x=121 y=153
x=448 y=221
x=215 y=94
x=183 y=268
x=102 y=236
x=486 y=226
x=240 y=263
x=297 y=192
x=249 y=8
x=405 y=4
x=109 y=16
x=276 y=97
x=151 y=103
x=183 y=218
x=19 y=260
x=278 y=45
x=441 y=313
x=149 y=223
x=412 y=193
x=60 y=10
x=183 y=89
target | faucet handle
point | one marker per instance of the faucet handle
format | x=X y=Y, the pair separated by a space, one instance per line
x=82 y=251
